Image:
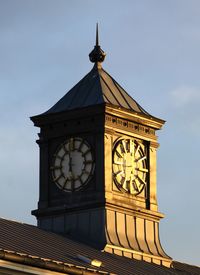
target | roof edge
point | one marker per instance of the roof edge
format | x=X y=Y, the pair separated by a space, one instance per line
x=47 y=264
x=45 y=118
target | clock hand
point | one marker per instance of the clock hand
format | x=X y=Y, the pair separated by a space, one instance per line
x=70 y=157
x=71 y=175
x=70 y=163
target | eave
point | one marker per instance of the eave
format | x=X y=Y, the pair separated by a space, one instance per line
x=14 y=261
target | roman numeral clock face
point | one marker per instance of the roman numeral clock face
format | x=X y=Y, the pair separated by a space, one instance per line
x=130 y=167
x=73 y=165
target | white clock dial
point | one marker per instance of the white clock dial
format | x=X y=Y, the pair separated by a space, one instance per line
x=130 y=167
x=73 y=164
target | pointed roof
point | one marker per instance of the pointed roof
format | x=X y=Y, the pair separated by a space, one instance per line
x=97 y=87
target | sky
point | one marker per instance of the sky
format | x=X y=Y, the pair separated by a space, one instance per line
x=153 y=51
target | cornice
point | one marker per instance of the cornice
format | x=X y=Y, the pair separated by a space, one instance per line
x=141 y=118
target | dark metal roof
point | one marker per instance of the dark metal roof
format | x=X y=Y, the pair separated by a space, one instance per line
x=97 y=87
x=27 y=239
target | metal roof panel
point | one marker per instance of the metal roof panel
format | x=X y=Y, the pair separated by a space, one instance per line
x=95 y=88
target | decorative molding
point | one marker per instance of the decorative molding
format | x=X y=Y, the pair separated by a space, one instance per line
x=140 y=118
x=133 y=127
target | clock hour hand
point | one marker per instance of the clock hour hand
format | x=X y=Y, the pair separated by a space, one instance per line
x=70 y=163
x=71 y=176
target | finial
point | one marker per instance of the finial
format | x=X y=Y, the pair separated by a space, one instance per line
x=97 y=35
x=97 y=55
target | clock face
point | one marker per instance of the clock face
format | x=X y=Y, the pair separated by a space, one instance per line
x=130 y=167
x=73 y=164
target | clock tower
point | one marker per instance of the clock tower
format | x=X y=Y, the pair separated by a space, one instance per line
x=98 y=168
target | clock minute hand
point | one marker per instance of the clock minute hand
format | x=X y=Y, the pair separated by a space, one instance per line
x=71 y=175
x=70 y=164
x=70 y=159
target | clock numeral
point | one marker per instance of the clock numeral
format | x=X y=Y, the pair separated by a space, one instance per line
x=139 y=187
x=70 y=175
x=124 y=146
x=55 y=167
x=58 y=157
x=137 y=149
x=80 y=179
x=142 y=181
x=131 y=143
x=60 y=186
x=119 y=173
x=142 y=158
x=87 y=162
x=65 y=149
x=142 y=169
x=86 y=172
x=64 y=185
x=118 y=162
x=71 y=144
x=86 y=152
x=120 y=154
x=124 y=183
x=132 y=188
x=81 y=145
x=72 y=184
x=58 y=177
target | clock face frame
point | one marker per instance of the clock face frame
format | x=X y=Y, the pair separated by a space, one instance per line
x=130 y=165
x=73 y=164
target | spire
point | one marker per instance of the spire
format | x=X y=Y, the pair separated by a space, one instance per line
x=97 y=55
x=97 y=35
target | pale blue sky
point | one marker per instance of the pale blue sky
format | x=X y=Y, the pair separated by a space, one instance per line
x=153 y=51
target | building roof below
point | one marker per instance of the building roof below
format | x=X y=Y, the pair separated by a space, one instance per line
x=28 y=240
